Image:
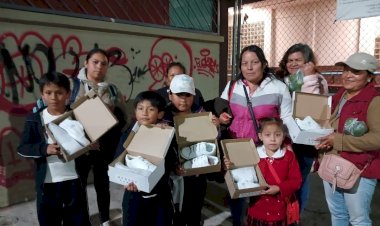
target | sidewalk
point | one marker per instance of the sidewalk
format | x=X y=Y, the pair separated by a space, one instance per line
x=215 y=211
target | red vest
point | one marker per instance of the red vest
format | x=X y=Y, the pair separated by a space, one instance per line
x=357 y=107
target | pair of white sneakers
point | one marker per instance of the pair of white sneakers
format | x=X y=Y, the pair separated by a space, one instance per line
x=70 y=135
x=198 y=149
x=245 y=177
x=308 y=123
x=138 y=162
x=201 y=161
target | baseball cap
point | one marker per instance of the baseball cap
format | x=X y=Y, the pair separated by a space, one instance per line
x=182 y=83
x=360 y=61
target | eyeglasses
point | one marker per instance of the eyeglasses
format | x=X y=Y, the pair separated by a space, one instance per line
x=183 y=94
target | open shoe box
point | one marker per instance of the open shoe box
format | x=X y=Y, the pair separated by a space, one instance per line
x=242 y=152
x=95 y=118
x=150 y=142
x=195 y=128
x=314 y=105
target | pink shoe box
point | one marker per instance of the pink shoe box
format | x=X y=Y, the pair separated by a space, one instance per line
x=195 y=128
x=243 y=153
x=95 y=118
x=150 y=142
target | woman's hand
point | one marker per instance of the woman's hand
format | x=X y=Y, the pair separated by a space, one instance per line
x=215 y=120
x=308 y=68
x=53 y=149
x=225 y=118
x=326 y=142
x=131 y=187
x=227 y=163
x=180 y=171
x=272 y=190
x=95 y=145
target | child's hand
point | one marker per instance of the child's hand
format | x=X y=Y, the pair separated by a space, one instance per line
x=53 y=149
x=131 y=187
x=215 y=120
x=180 y=171
x=225 y=118
x=272 y=190
x=227 y=163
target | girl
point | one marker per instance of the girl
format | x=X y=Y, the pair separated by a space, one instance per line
x=275 y=161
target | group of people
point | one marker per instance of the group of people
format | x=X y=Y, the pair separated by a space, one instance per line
x=255 y=104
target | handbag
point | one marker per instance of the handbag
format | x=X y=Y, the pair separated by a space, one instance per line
x=339 y=171
x=292 y=204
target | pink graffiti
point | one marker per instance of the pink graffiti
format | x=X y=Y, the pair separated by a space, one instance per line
x=160 y=58
x=13 y=168
x=206 y=65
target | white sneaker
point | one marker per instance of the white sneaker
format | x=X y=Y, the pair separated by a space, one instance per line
x=246 y=184
x=308 y=123
x=64 y=139
x=139 y=162
x=75 y=130
x=198 y=149
x=201 y=161
x=142 y=172
x=247 y=174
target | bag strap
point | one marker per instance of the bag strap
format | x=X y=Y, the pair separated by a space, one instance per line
x=249 y=104
x=274 y=173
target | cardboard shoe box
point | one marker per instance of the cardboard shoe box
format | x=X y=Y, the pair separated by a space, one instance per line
x=242 y=152
x=95 y=118
x=195 y=128
x=150 y=142
x=314 y=105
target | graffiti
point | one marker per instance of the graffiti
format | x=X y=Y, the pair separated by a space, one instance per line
x=16 y=168
x=206 y=65
x=160 y=58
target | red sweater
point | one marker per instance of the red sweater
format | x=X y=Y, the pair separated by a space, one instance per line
x=273 y=207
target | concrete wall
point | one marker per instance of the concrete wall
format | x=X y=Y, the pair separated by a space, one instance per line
x=138 y=64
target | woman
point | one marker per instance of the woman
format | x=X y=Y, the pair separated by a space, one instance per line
x=269 y=96
x=92 y=76
x=357 y=99
x=301 y=57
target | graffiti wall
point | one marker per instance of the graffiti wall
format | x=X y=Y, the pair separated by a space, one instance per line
x=137 y=63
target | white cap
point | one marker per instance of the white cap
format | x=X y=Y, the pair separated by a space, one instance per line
x=360 y=61
x=182 y=84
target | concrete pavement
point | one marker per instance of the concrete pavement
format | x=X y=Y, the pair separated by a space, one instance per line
x=215 y=211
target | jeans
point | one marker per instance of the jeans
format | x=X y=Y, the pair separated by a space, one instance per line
x=351 y=206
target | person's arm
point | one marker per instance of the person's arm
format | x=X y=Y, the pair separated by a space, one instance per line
x=370 y=140
x=32 y=145
x=294 y=179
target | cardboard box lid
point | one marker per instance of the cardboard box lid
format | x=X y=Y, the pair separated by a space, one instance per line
x=242 y=152
x=315 y=105
x=150 y=140
x=94 y=115
x=195 y=127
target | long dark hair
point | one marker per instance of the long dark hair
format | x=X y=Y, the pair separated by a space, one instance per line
x=307 y=54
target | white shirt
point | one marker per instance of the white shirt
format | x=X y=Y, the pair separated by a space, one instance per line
x=57 y=170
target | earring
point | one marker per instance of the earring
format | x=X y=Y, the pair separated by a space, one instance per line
x=369 y=80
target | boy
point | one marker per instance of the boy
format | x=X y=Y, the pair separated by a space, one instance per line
x=60 y=195
x=154 y=208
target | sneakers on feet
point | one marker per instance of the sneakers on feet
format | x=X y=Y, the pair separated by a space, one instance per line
x=201 y=161
x=64 y=139
x=139 y=162
x=198 y=149
x=75 y=130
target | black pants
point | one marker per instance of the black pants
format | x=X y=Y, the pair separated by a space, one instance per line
x=62 y=203
x=193 y=199
x=97 y=161
x=153 y=211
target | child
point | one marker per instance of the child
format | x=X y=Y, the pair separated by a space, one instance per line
x=155 y=208
x=181 y=96
x=270 y=207
x=60 y=195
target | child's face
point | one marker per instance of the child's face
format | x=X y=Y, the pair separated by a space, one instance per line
x=272 y=137
x=173 y=71
x=147 y=114
x=55 y=98
x=97 y=67
x=182 y=101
